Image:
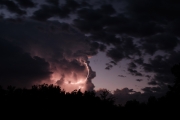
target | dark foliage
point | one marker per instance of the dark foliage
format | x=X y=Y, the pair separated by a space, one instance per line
x=43 y=101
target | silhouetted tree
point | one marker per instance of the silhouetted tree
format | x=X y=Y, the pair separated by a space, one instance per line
x=51 y=100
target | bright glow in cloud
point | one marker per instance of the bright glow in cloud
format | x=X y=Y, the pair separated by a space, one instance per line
x=73 y=80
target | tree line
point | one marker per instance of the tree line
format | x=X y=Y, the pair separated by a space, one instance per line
x=51 y=101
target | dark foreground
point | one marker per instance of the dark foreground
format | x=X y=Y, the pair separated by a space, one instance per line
x=50 y=102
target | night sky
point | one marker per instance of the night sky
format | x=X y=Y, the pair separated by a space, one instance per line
x=125 y=46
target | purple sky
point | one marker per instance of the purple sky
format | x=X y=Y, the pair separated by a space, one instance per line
x=125 y=46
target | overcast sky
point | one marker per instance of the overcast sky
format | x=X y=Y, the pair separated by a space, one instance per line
x=125 y=46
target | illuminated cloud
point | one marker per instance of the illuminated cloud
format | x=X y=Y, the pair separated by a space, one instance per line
x=63 y=47
x=144 y=33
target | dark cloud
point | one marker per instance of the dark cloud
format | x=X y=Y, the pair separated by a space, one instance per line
x=108 y=66
x=52 y=41
x=115 y=54
x=148 y=76
x=46 y=12
x=126 y=94
x=152 y=82
x=164 y=42
x=133 y=27
x=107 y=9
x=55 y=10
x=93 y=20
x=132 y=65
x=162 y=66
x=102 y=47
x=12 y=7
x=70 y=66
x=173 y=27
x=145 y=32
x=53 y=2
x=125 y=49
x=150 y=48
x=134 y=72
x=152 y=89
x=19 y=68
x=175 y=70
x=72 y=4
x=1 y=16
x=147 y=89
x=163 y=79
x=139 y=61
x=129 y=47
x=89 y=20
x=121 y=76
x=147 y=67
x=154 y=10
x=123 y=95
x=139 y=80
x=113 y=62
x=26 y=3
x=89 y=14
x=95 y=46
x=105 y=38
x=85 y=3
x=148 y=24
x=112 y=21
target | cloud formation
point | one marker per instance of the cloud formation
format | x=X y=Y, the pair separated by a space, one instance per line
x=26 y=3
x=144 y=32
x=19 y=68
x=64 y=49
x=12 y=7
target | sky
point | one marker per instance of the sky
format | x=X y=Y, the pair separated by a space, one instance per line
x=125 y=46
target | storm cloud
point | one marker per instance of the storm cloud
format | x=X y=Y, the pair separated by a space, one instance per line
x=143 y=32
x=61 y=49
x=18 y=68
